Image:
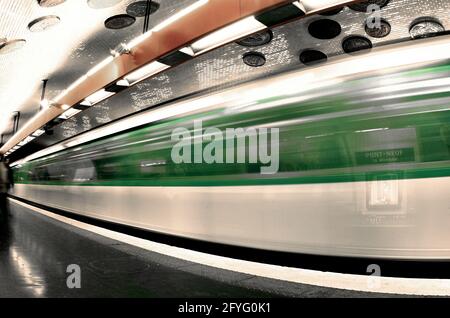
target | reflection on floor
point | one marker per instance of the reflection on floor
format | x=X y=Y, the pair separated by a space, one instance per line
x=35 y=252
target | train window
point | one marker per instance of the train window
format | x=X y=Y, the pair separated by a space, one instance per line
x=40 y=174
x=84 y=174
x=84 y=171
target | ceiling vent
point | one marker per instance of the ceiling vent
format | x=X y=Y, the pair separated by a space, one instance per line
x=138 y=9
x=50 y=3
x=119 y=21
x=43 y=23
x=11 y=46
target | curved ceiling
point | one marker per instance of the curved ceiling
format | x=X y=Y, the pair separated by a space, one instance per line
x=63 y=52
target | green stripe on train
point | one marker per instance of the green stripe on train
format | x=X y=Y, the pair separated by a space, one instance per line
x=337 y=138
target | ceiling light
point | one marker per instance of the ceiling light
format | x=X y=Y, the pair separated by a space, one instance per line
x=227 y=34
x=69 y=113
x=28 y=139
x=123 y=82
x=86 y=103
x=317 y=5
x=180 y=14
x=97 y=97
x=145 y=72
x=188 y=50
x=38 y=133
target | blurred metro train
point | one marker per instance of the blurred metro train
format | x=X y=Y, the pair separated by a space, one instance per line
x=364 y=164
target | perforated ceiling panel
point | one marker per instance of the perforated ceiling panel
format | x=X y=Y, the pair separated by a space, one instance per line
x=61 y=53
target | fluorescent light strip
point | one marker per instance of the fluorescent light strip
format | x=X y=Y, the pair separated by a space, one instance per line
x=123 y=82
x=187 y=50
x=131 y=122
x=143 y=72
x=86 y=103
x=97 y=97
x=227 y=34
x=299 y=5
x=317 y=5
x=69 y=113
x=180 y=14
x=38 y=133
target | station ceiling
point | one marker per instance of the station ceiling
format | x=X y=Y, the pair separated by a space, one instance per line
x=60 y=43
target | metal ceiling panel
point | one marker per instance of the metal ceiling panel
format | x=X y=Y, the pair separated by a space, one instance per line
x=62 y=53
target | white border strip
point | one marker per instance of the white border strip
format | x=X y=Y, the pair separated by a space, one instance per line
x=403 y=286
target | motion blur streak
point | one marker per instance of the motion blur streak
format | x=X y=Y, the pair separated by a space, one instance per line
x=363 y=171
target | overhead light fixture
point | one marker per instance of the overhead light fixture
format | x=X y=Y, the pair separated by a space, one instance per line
x=85 y=103
x=143 y=73
x=180 y=14
x=316 y=5
x=123 y=82
x=28 y=139
x=69 y=113
x=97 y=97
x=187 y=50
x=38 y=133
x=227 y=34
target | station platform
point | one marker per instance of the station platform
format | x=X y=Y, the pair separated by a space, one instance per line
x=36 y=250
